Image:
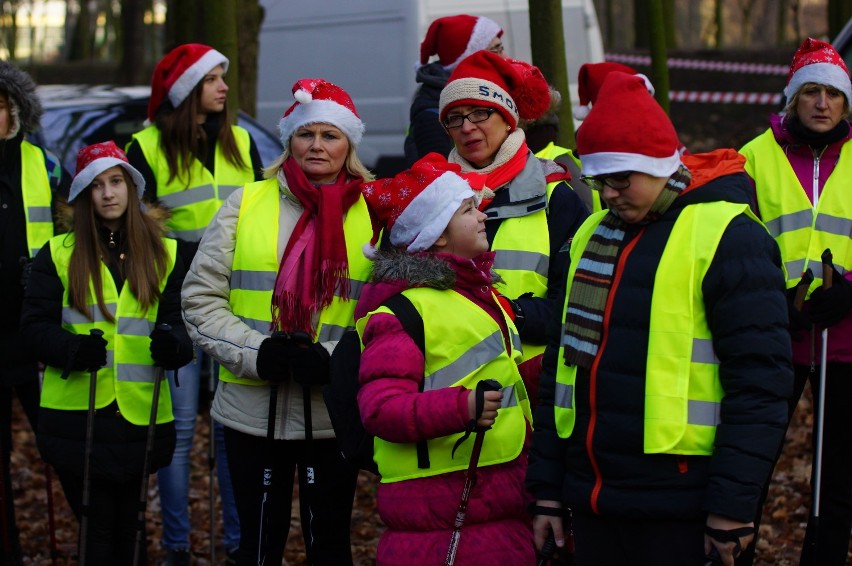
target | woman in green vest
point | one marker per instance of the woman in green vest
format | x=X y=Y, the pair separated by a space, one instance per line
x=30 y=180
x=532 y=213
x=802 y=171
x=192 y=157
x=117 y=273
x=283 y=257
x=664 y=389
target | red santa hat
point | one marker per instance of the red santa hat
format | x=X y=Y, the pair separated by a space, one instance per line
x=627 y=130
x=319 y=101
x=452 y=38
x=817 y=62
x=179 y=72
x=93 y=160
x=415 y=207
x=591 y=77
x=515 y=88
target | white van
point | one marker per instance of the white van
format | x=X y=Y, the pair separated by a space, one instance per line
x=371 y=48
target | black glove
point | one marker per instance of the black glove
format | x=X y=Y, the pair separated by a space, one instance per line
x=829 y=306
x=88 y=353
x=273 y=362
x=169 y=349
x=26 y=268
x=799 y=321
x=308 y=360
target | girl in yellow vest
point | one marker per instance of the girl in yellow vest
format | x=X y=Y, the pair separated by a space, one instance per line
x=115 y=272
x=192 y=158
x=436 y=255
x=284 y=254
x=802 y=171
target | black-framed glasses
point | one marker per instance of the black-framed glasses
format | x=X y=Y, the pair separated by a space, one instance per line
x=618 y=181
x=475 y=117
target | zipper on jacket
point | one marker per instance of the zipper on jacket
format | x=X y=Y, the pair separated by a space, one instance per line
x=593 y=372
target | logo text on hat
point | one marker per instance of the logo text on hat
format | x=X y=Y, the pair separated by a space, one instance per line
x=488 y=92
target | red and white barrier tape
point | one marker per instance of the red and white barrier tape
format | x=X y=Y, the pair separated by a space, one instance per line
x=720 y=66
x=767 y=98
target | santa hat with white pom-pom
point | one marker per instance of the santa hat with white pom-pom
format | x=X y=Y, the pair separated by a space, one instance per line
x=591 y=77
x=319 y=101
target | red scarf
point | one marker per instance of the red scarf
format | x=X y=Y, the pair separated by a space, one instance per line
x=501 y=175
x=315 y=263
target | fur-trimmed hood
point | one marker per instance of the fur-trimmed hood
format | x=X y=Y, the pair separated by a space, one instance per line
x=26 y=107
x=395 y=270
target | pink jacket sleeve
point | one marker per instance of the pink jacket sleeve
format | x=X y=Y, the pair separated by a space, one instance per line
x=391 y=405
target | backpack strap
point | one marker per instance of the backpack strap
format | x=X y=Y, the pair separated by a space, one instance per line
x=412 y=322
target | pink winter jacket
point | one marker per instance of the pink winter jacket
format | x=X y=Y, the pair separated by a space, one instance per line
x=419 y=513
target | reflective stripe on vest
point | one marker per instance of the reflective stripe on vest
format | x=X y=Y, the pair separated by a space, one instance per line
x=789 y=214
x=522 y=258
x=194 y=202
x=467 y=353
x=35 y=188
x=682 y=387
x=129 y=375
x=256 y=260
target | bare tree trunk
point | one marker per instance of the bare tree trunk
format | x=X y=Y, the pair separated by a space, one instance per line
x=548 y=54
x=131 y=71
x=183 y=23
x=659 y=57
x=839 y=11
x=670 y=25
x=248 y=31
x=642 y=24
x=220 y=26
x=719 y=16
x=781 y=32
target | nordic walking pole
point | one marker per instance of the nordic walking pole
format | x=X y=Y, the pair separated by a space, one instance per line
x=827 y=276
x=51 y=516
x=470 y=478
x=265 y=503
x=87 y=458
x=211 y=459
x=146 y=462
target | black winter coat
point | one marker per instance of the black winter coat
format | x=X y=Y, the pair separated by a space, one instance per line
x=425 y=132
x=606 y=471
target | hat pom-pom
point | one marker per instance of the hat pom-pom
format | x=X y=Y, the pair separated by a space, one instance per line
x=532 y=93
x=581 y=112
x=370 y=251
x=303 y=96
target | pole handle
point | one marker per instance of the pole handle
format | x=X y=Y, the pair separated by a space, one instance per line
x=802 y=289
x=827 y=269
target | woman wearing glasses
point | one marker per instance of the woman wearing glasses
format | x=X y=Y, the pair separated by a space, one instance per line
x=532 y=211
x=450 y=39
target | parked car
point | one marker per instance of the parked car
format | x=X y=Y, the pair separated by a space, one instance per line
x=79 y=115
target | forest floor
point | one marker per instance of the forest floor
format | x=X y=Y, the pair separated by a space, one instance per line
x=784 y=517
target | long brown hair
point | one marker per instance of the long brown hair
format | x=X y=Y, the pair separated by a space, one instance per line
x=182 y=138
x=144 y=248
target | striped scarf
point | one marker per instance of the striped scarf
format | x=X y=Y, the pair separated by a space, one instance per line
x=594 y=276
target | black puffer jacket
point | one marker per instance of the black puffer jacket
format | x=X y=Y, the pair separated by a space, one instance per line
x=425 y=132
x=744 y=299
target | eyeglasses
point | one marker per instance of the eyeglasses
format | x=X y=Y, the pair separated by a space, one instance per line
x=498 y=49
x=475 y=117
x=618 y=181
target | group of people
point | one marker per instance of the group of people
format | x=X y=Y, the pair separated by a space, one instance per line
x=614 y=376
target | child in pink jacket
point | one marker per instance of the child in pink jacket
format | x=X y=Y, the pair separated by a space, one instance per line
x=436 y=254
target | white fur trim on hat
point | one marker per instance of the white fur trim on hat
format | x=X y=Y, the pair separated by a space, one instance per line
x=325 y=112
x=428 y=214
x=827 y=74
x=473 y=92
x=602 y=163
x=483 y=32
x=85 y=177
x=193 y=75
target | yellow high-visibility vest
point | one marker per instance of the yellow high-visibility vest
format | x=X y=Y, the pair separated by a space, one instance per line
x=35 y=188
